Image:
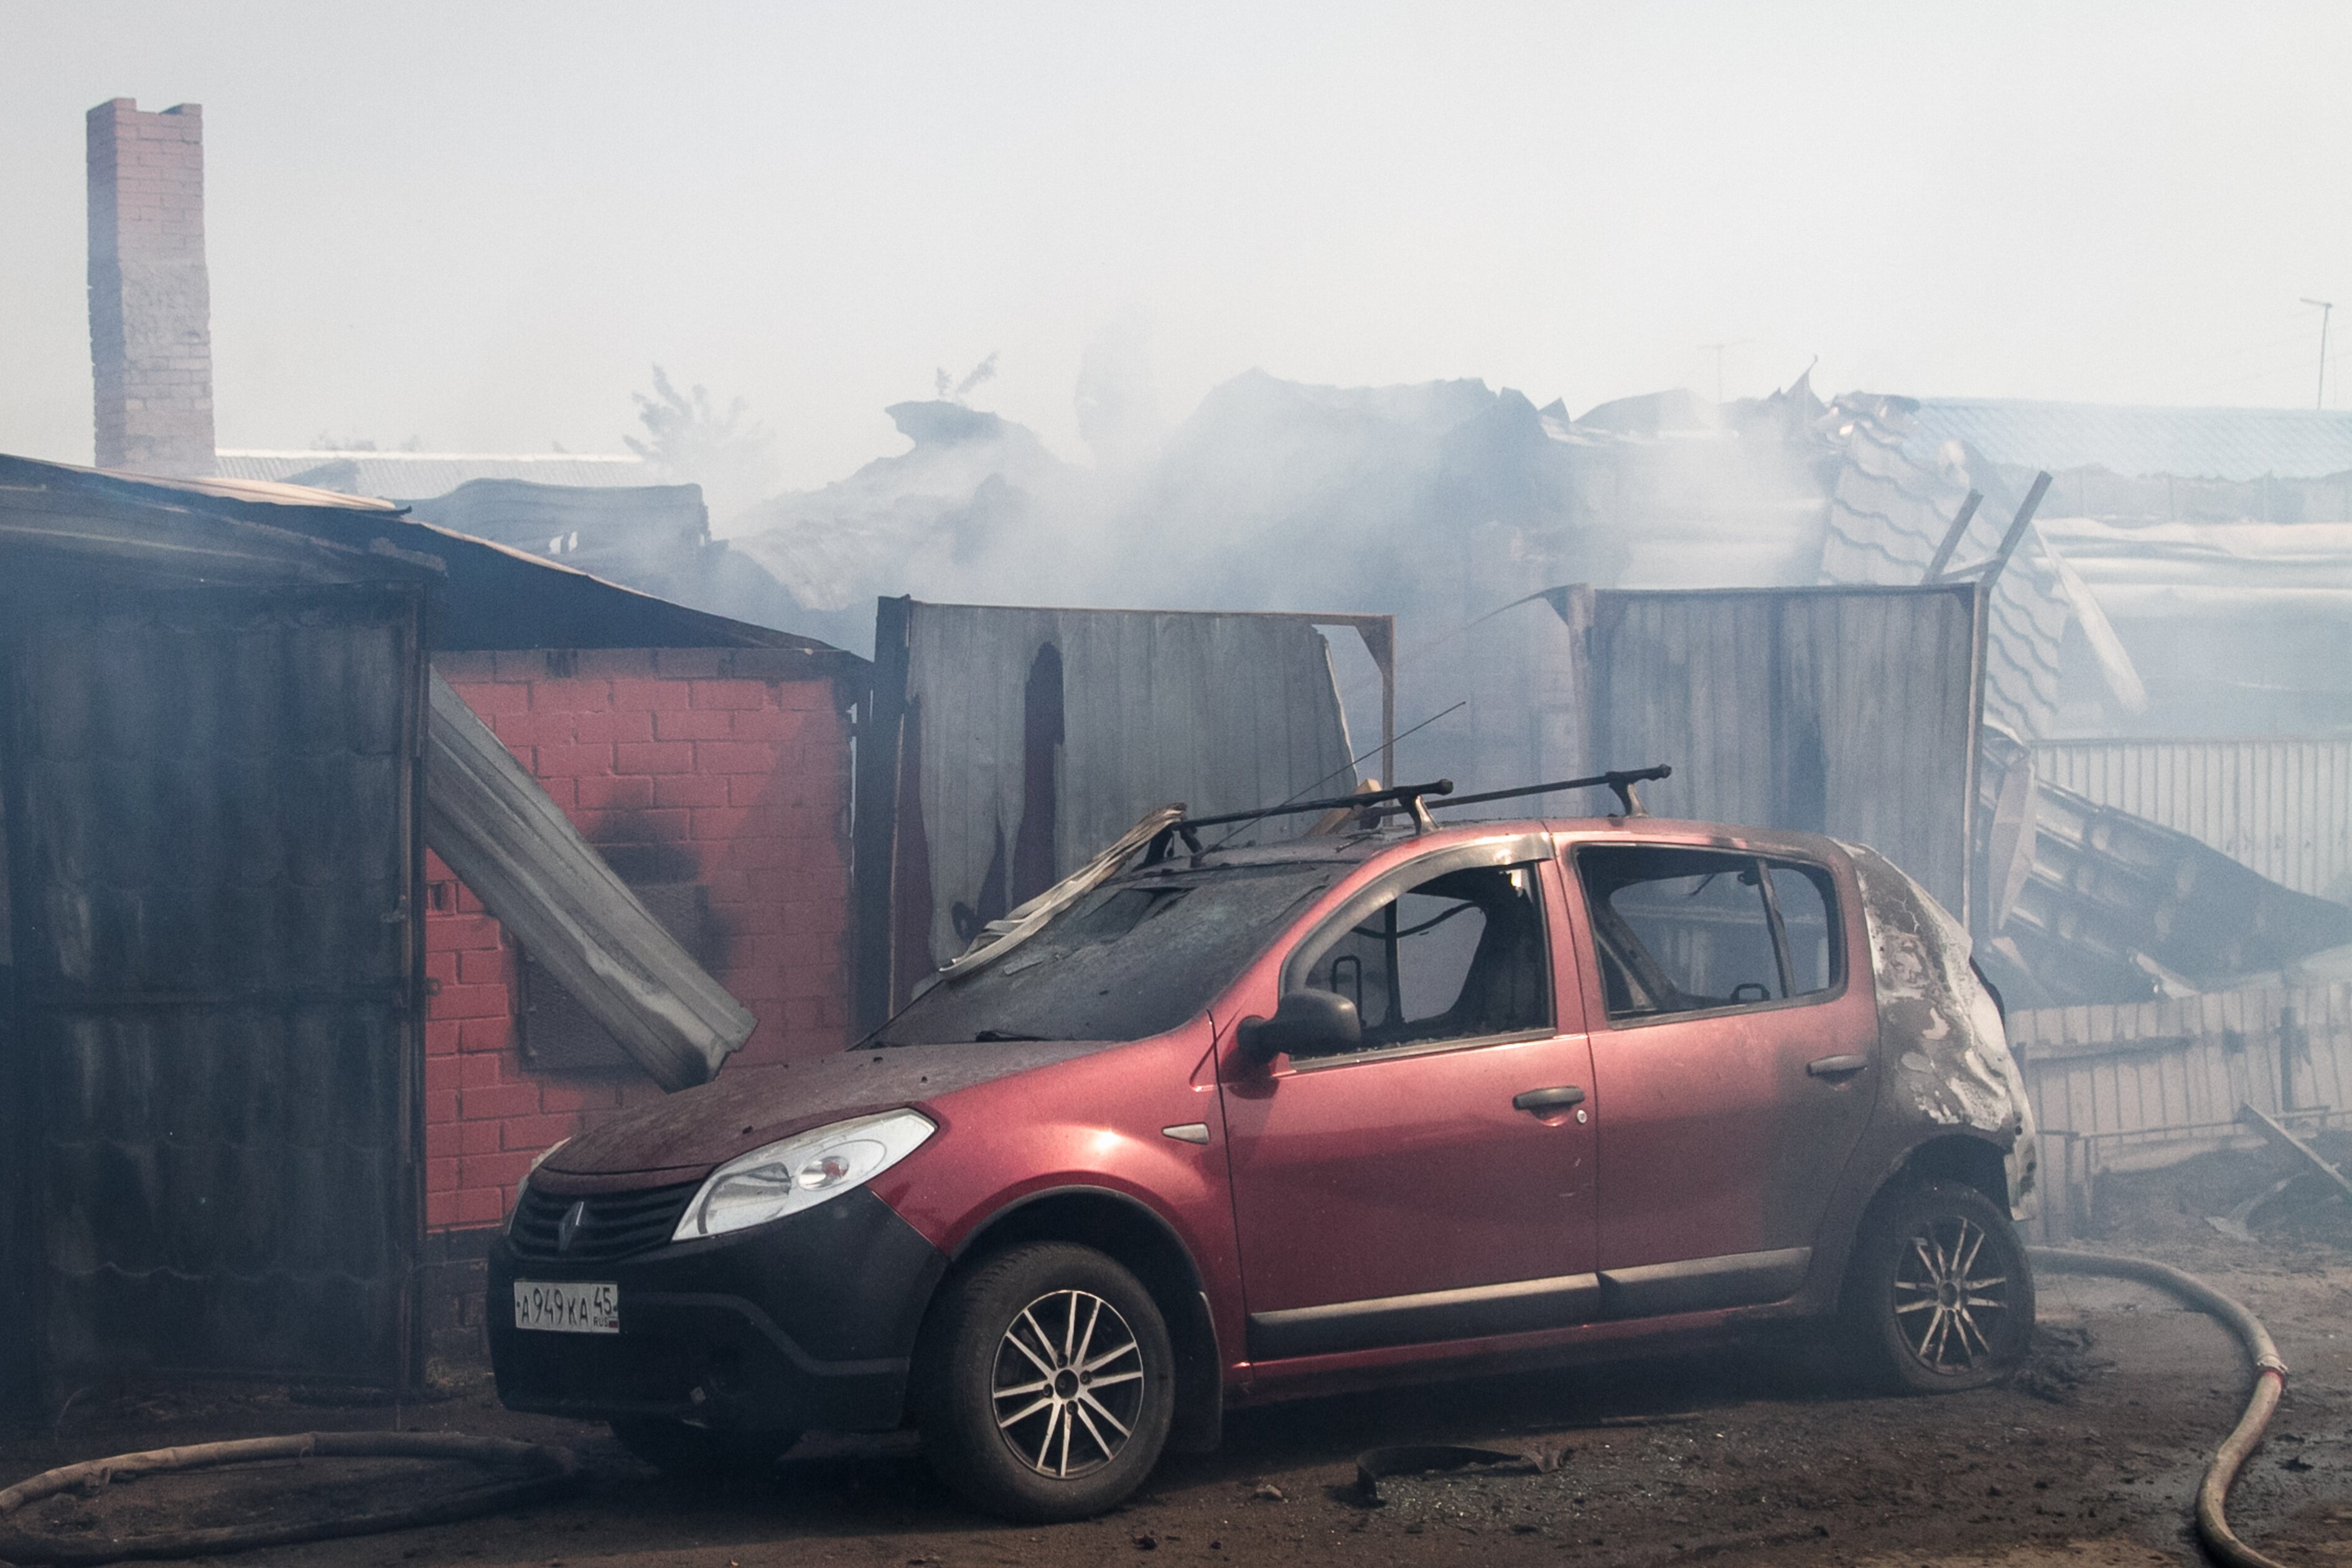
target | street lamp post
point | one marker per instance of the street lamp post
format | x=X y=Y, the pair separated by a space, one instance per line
x=2325 y=306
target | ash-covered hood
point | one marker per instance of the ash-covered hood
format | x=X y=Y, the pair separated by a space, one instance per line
x=687 y=1135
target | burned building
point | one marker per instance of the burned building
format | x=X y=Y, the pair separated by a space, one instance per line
x=257 y=1036
x=209 y=775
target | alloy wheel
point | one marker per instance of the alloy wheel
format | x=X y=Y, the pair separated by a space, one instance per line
x=1068 y=1383
x=1948 y=1313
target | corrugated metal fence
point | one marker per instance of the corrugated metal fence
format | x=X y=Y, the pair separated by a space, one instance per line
x=2146 y=1083
x=1848 y=710
x=2280 y=805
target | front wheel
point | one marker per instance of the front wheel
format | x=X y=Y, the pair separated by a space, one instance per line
x=1941 y=1295
x=1045 y=1382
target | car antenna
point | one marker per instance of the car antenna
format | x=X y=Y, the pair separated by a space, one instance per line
x=1404 y=797
x=1621 y=779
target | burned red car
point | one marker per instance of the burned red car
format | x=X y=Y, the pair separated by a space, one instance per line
x=1224 y=1125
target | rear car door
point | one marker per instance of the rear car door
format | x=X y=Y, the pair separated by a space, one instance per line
x=1733 y=1050
x=1396 y=1194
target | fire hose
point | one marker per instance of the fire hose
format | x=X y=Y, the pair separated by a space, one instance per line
x=544 y=1471
x=2270 y=1383
x=548 y=1470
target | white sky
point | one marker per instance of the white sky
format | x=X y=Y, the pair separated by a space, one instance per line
x=479 y=226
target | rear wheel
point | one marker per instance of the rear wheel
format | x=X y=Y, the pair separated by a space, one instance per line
x=678 y=1449
x=1941 y=1295
x=1045 y=1382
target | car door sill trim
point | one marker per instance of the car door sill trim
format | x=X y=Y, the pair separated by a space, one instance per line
x=1699 y=1284
x=1470 y=1312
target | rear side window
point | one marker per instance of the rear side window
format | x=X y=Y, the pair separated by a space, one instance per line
x=1690 y=931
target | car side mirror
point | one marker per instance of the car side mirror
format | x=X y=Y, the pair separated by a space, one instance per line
x=1306 y=1023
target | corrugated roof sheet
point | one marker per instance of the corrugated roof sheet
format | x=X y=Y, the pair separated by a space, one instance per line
x=412 y=476
x=2236 y=443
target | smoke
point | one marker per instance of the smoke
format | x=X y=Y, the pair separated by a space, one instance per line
x=1439 y=503
x=1117 y=403
x=952 y=391
x=689 y=441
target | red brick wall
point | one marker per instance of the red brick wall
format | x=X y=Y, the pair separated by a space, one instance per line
x=725 y=767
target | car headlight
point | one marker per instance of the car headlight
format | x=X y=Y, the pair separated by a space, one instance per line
x=800 y=1171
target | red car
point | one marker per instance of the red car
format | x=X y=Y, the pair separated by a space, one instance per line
x=1237 y=1125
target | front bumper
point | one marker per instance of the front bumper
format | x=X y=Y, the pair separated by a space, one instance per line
x=807 y=1323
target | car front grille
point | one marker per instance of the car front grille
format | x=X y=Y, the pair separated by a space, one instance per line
x=610 y=1225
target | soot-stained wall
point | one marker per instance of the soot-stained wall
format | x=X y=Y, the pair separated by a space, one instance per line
x=707 y=768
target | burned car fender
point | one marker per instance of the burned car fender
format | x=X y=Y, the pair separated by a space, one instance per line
x=1945 y=1050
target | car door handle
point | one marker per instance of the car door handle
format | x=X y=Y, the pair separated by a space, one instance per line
x=1541 y=1100
x=1836 y=1066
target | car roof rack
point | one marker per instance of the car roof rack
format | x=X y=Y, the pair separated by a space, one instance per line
x=1412 y=799
x=1622 y=780
x=1404 y=797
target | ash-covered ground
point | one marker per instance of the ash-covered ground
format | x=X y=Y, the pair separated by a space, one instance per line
x=1758 y=1454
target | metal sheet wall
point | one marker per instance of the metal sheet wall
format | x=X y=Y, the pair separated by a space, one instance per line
x=2280 y=805
x=210 y=802
x=20 y=1226
x=1851 y=711
x=1220 y=711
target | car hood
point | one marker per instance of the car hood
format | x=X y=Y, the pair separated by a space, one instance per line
x=688 y=1134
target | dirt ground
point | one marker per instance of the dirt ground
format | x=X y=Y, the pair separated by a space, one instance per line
x=1755 y=1455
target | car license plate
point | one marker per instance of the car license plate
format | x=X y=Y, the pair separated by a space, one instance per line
x=583 y=1308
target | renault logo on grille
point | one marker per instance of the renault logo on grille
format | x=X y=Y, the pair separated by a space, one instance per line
x=568 y=1226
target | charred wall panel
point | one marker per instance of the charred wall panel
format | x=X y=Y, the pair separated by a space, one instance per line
x=1014 y=735
x=20 y=1230
x=212 y=799
x=1851 y=711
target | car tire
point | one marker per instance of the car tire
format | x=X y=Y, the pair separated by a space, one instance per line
x=1045 y=1382
x=1941 y=1297
x=702 y=1453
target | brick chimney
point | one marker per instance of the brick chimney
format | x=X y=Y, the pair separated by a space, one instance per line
x=151 y=344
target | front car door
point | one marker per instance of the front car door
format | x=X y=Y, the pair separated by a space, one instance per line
x=1395 y=1194
x=1733 y=1040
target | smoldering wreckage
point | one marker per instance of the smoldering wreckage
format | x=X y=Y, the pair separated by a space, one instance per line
x=452 y=919
x=356 y=860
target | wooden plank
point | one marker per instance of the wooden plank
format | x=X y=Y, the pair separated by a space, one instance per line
x=1953 y=535
x=2148 y=1088
x=2010 y=540
x=2282 y=1139
x=2172 y=1072
x=2118 y=1106
x=2081 y=1102
x=2060 y=1098
x=2331 y=1049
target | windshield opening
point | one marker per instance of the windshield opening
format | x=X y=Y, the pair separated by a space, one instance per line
x=1131 y=959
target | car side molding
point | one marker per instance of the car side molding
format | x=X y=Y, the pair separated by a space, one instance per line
x=1479 y=1311
x=1703 y=1284
x=1472 y=1312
